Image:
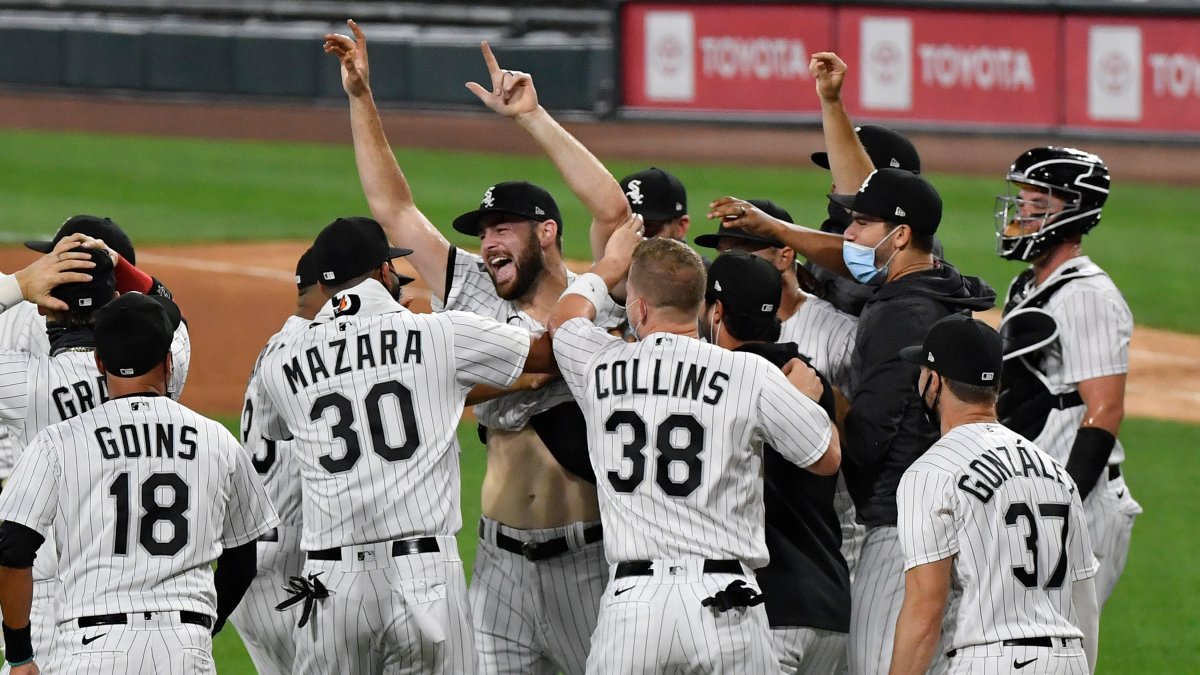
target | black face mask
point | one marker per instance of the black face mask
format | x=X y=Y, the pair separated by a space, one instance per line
x=396 y=290
x=930 y=411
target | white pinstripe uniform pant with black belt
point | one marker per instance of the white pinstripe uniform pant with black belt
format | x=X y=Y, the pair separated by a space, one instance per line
x=148 y=643
x=388 y=614
x=267 y=633
x=657 y=624
x=535 y=617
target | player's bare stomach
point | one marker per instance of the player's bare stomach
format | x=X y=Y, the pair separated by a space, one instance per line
x=526 y=488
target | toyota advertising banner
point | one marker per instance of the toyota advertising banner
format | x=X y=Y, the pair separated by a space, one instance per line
x=722 y=58
x=991 y=69
x=1133 y=74
x=1038 y=71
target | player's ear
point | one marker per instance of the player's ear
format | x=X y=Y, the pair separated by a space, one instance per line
x=99 y=366
x=785 y=259
x=718 y=310
x=903 y=237
x=547 y=233
x=685 y=221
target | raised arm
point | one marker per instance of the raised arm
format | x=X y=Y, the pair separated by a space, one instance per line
x=849 y=163
x=384 y=184
x=513 y=95
x=586 y=294
x=823 y=248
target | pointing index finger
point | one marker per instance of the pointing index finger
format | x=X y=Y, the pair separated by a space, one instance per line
x=489 y=58
x=359 y=36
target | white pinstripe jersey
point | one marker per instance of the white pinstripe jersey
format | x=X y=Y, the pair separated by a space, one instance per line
x=826 y=336
x=1012 y=517
x=273 y=460
x=705 y=412
x=22 y=329
x=144 y=494
x=471 y=290
x=1094 y=330
x=373 y=401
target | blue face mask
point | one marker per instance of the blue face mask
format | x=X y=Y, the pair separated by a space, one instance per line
x=860 y=260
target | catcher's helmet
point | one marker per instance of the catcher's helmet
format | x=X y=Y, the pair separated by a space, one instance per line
x=1079 y=178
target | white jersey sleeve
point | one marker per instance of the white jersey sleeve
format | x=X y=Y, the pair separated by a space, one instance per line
x=31 y=495
x=10 y=292
x=1094 y=330
x=181 y=359
x=249 y=514
x=487 y=352
x=927 y=515
x=14 y=387
x=791 y=422
x=576 y=343
x=1084 y=564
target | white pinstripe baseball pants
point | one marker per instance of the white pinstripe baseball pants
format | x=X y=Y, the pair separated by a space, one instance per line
x=162 y=645
x=809 y=651
x=531 y=618
x=388 y=615
x=657 y=625
x=997 y=659
x=267 y=633
x=1110 y=512
x=875 y=598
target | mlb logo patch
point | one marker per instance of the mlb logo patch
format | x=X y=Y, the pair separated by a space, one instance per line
x=128 y=372
x=988 y=377
x=328 y=276
x=85 y=302
x=138 y=405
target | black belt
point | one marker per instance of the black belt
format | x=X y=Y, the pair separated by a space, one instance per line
x=645 y=568
x=399 y=547
x=542 y=550
x=1114 y=471
x=1025 y=642
x=1064 y=401
x=185 y=616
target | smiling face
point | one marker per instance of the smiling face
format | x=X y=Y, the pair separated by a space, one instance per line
x=512 y=254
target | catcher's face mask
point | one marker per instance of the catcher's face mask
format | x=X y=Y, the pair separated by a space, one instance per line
x=1026 y=218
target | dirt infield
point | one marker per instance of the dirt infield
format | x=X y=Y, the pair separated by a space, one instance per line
x=235 y=296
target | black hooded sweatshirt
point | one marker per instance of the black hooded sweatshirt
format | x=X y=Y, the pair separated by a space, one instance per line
x=886 y=429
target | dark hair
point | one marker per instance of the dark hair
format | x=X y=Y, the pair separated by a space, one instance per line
x=654 y=227
x=921 y=241
x=752 y=328
x=973 y=394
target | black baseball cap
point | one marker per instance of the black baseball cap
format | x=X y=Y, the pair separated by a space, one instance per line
x=745 y=284
x=886 y=148
x=134 y=333
x=350 y=247
x=713 y=239
x=513 y=198
x=655 y=194
x=897 y=196
x=962 y=349
x=93 y=226
x=306 y=270
x=86 y=296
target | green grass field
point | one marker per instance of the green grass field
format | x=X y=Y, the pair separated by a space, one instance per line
x=176 y=191
x=203 y=190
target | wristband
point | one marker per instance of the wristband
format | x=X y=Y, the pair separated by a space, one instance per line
x=18 y=645
x=590 y=286
x=1089 y=457
x=130 y=278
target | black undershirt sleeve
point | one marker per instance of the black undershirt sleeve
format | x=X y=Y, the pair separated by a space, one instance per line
x=18 y=545
x=236 y=568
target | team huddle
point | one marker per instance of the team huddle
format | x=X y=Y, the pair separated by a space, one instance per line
x=746 y=464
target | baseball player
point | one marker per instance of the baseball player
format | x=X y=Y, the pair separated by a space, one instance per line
x=896 y=213
x=371 y=398
x=23 y=329
x=38 y=389
x=661 y=200
x=540 y=570
x=683 y=517
x=1067 y=331
x=267 y=633
x=822 y=333
x=807 y=583
x=145 y=495
x=985 y=510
